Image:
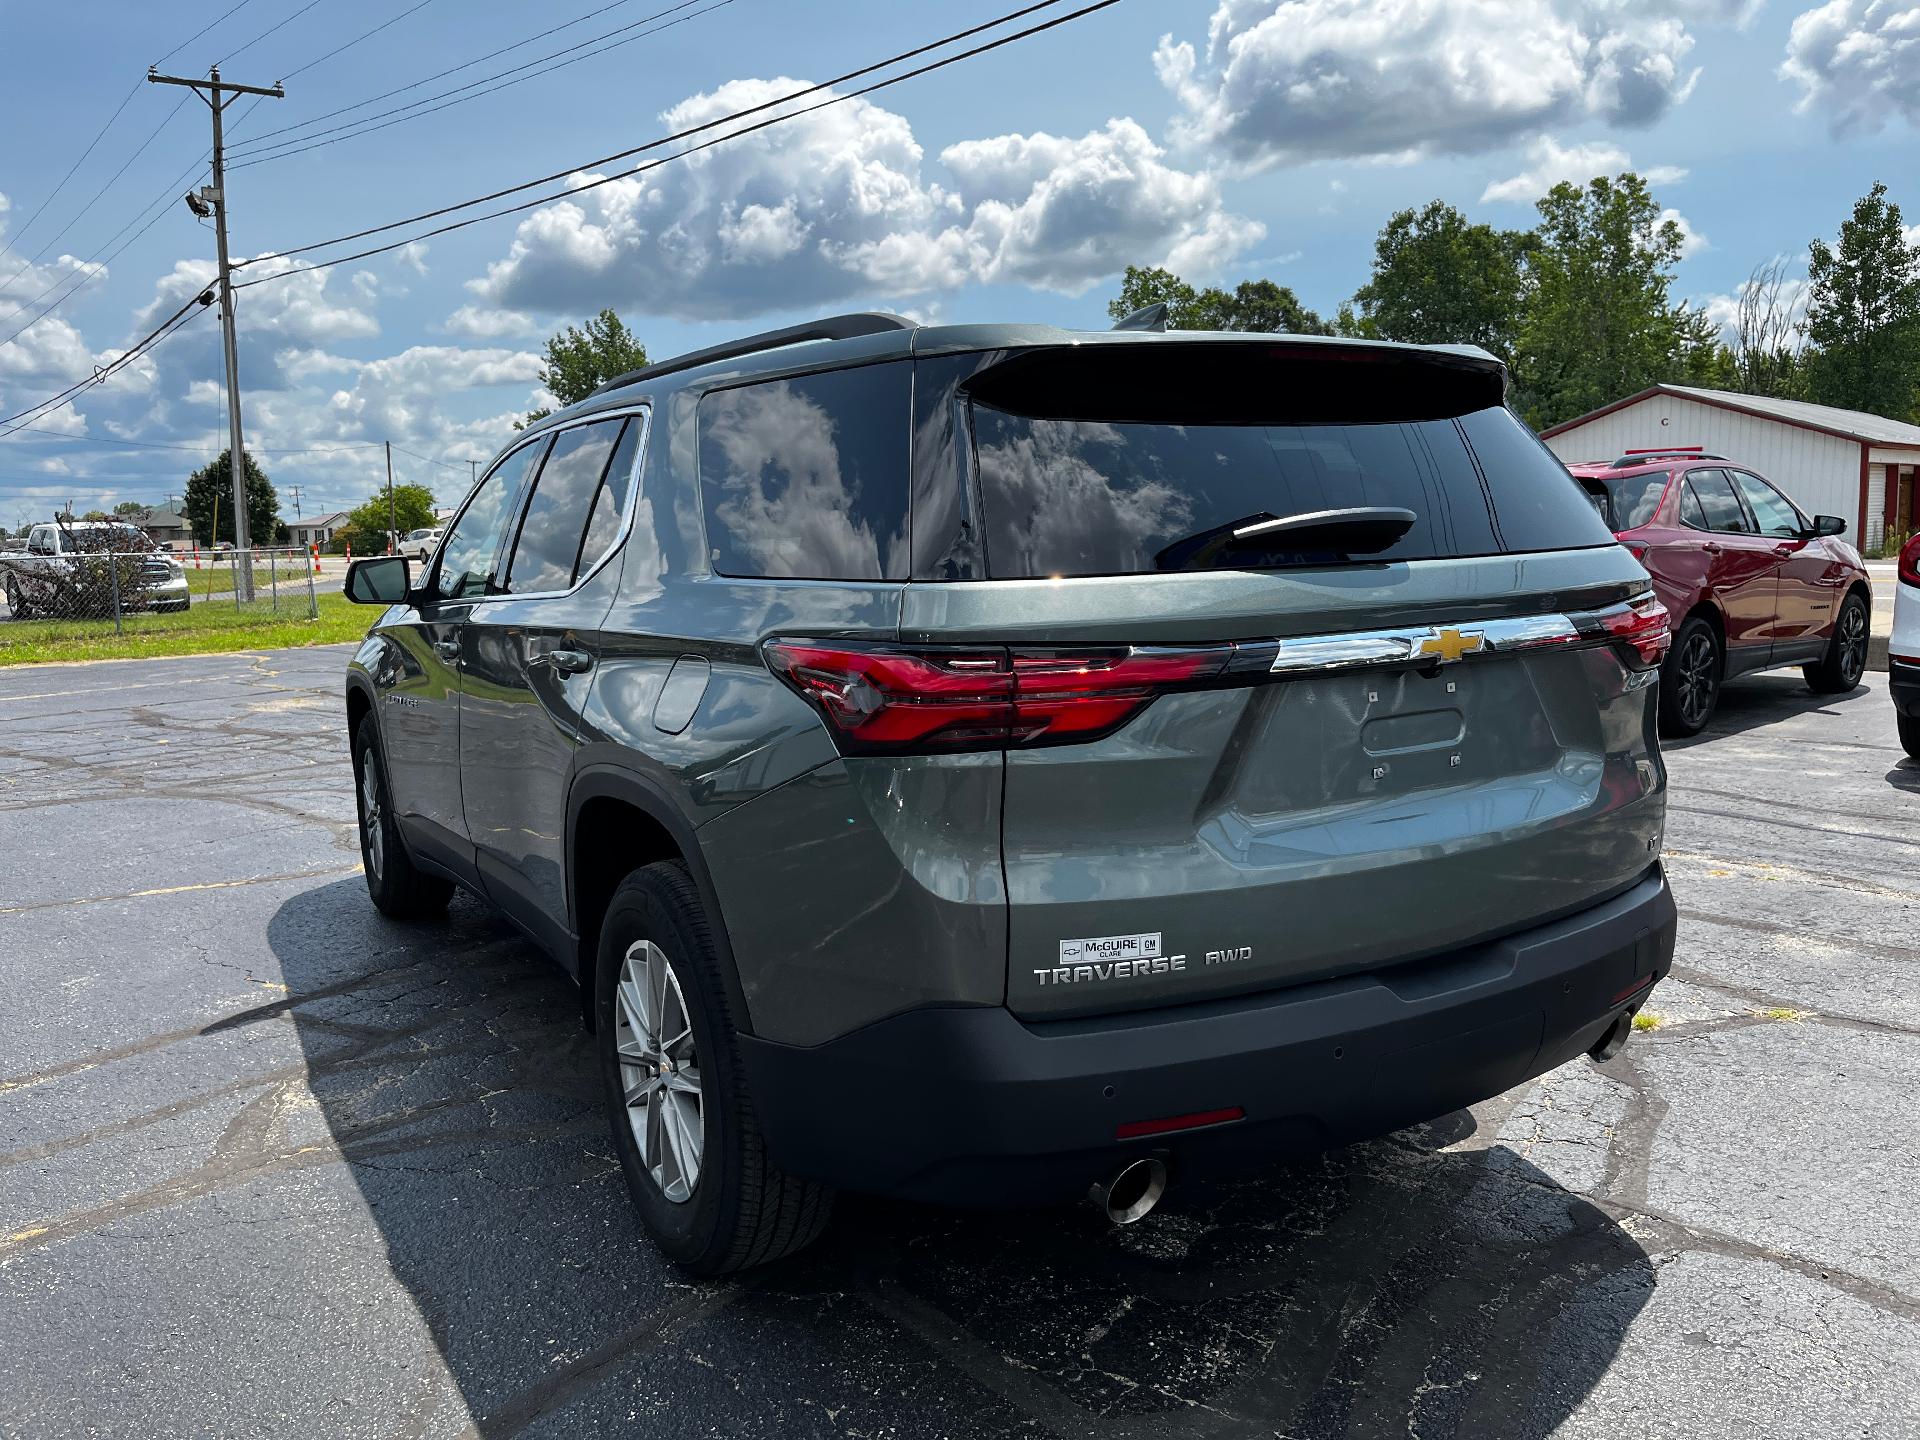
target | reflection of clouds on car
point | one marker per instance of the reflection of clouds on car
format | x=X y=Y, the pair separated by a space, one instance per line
x=786 y=495
x=1053 y=490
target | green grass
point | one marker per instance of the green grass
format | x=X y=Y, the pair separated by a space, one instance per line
x=202 y=630
x=217 y=579
x=1648 y=1020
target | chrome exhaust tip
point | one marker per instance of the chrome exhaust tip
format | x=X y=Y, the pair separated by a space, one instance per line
x=1132 y=1191
x=1611 y=1043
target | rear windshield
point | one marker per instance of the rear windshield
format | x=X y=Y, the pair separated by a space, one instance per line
x=1629 y=502
x=1107 y=496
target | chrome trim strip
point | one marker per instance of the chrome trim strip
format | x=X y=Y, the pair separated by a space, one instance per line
x=1440 y=644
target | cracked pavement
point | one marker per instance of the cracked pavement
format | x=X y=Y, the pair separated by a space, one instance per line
x=271 y=1164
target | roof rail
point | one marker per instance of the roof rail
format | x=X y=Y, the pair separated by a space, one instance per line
x=833 y=327
x=1649 y=457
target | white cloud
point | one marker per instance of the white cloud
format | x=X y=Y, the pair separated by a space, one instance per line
x=1692 y=242
x=833 y=205
x=485 y=322
x=1859 y=60
x=1282 y=81
x=1550 y=163
x=298 y=308
x=413 y=256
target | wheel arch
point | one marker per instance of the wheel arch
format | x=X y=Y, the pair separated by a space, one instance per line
x=617 y=821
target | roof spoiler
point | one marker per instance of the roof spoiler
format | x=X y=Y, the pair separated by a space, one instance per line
x=833 y=327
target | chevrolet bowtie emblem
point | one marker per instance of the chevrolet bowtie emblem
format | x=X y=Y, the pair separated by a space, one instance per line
x=1451 y=644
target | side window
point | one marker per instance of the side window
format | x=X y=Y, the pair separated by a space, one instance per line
x=603 y=527
x=465 y=566
x=549 y=543
x=1690 y=512
x=806 y=478
x=1536 y=503
x=40 y=540
x=1718 y=504
x=1772 y=511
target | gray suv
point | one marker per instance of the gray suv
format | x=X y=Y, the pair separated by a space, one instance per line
x=978 y=763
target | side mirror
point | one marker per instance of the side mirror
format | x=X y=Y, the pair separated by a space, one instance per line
x=1828 y=525
x=383 y=580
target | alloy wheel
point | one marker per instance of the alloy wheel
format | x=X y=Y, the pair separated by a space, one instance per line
x=1699 y=679
x=1853 y=643
x=373 y=840
x=660 y=1070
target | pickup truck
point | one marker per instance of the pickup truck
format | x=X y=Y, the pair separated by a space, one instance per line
x=70 y=568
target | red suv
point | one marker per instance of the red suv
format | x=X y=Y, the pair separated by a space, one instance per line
x=1750 y=581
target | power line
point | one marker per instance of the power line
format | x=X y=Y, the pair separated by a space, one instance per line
x=439 y=74
x=363 y=35
x=54 y=194
x=198 y=33
x=113 y=440
x=677 y=135
x=428 y=459
x=266 y=32
x=482 y=87
x=103 y=373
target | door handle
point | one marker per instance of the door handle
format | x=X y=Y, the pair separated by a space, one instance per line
x=1785 y=552
x=1711 y=547
x=570 y=662
x=447 y=649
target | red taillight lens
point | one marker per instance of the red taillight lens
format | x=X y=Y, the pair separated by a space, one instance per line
x=1639 y=630
x=890 y=699
x=1910 y=562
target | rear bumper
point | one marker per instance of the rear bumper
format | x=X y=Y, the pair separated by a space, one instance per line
x=1903 y=684
x=975 y=1106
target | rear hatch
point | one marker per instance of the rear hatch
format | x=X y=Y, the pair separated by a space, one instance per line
x=1253 y=750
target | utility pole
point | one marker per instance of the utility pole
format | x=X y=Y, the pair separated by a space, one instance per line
x=392 y=529
x=218 y=95
x=294 y=491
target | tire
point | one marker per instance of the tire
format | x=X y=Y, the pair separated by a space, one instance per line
x=729 y=1209
x=399 y=889
x=1910 y=735
x=1690 y=679
x=1840 y=669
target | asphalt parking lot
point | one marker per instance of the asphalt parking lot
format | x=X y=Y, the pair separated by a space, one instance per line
x=271 y=1165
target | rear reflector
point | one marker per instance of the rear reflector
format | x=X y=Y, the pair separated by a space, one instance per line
x=1134 y=1129
x=1634 y=989
x=881 y=699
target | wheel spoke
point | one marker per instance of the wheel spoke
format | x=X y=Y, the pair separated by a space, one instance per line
x=660 y=1077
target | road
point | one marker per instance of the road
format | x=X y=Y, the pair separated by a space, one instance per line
x=272 y=1165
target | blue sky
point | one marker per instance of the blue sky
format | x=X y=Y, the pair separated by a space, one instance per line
x=1232 y=139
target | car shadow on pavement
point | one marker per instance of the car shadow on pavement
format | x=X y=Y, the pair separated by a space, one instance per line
x=1757 y=700
x=1396 y=1286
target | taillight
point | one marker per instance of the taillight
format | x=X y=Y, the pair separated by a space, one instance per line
x=890 y=699
x=1910 y=562
x=1639 y=631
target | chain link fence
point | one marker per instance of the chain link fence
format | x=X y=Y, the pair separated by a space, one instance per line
x=113 y=575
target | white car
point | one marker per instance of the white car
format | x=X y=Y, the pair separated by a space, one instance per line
x=1903 y=648
x=419 y=545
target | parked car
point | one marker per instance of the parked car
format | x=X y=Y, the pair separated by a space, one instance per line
x=418 y=544
x=1903 y=647
x=982 y=763
x=1752 y=582
x=89 y=569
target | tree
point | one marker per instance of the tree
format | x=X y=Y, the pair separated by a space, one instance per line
x=1439 y=280
x=1863 y=316
x=1256 y=306
x=1598 y=324
x=209 y=499
x=580 y=359
x=1769 y=329
x=412 y=510
x=96 y=515
x=129 y=510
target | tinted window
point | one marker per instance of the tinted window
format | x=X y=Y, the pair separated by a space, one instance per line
x=1719 y=506
x=611 y=503
x=1774 y=514
x=1631 y=500
x=1540 y=506
x=807 y=478
x=1083 y=497
x=1690 y=511
x=556 y=518
x=467 y=554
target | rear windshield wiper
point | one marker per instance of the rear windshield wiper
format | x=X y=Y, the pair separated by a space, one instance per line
x=1310 y=537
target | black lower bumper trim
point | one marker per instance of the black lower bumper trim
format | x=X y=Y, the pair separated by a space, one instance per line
x=1903 y=684
x=975 y=1106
